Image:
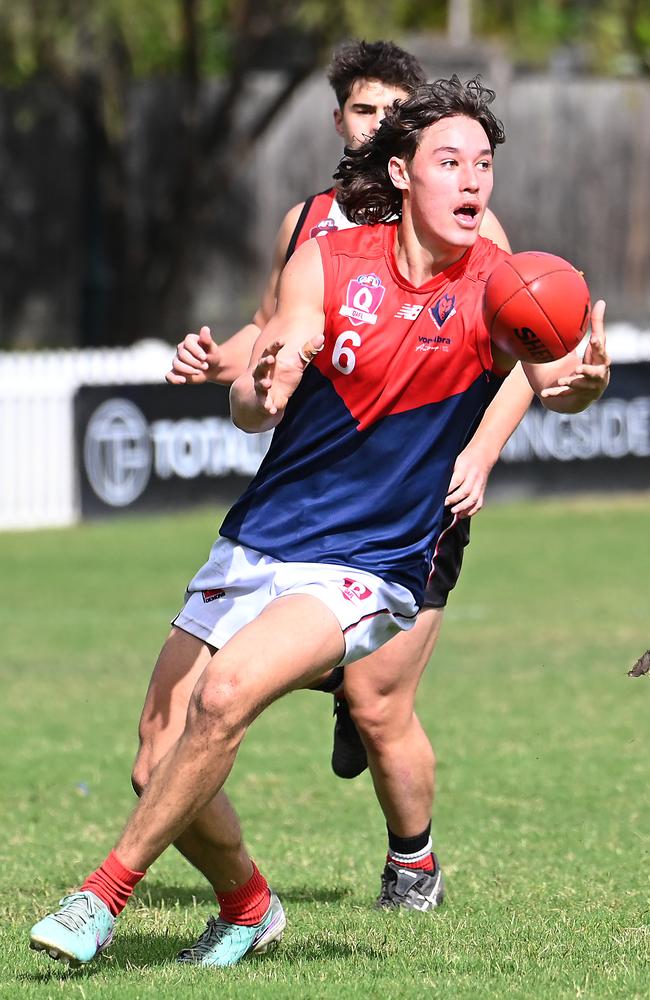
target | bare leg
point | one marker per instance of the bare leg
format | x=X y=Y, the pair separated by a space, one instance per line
x=381 y=691
x=292 y=642
x=213 y=842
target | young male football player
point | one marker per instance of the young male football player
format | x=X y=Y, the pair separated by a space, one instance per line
x=367 y=78
x=326 y=555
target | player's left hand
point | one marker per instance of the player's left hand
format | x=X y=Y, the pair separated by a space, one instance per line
x=197 y=360
x=469 y=479
x=276 y=377
x=590 y=378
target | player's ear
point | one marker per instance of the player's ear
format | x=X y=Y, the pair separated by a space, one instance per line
x=338 y=121
x=398 y=173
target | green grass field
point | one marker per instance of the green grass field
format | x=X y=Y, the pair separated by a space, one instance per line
x=542 y=819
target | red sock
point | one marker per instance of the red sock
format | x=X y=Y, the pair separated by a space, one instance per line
x=113 y=883
x=247 y=904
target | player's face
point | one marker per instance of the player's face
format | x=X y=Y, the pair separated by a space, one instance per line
x=364 y=110
x=448 y=182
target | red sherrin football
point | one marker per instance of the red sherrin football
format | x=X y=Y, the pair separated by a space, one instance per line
x=536 y=306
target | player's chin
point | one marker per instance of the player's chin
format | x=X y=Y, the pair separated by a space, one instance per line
x=463 y=237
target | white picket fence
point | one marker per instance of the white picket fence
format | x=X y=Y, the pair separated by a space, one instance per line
x=37 y=465
x=37 y=469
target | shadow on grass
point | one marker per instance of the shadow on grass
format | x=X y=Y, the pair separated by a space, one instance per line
x=163 y=896
x=311 y=893
x=130 y=951
x=133 y=951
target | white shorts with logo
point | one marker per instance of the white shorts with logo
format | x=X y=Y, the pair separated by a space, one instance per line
x=237 y=583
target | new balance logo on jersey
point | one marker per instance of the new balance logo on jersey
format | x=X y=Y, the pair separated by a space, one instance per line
x=364 y=296
x=408 y=311
x=355 y=591
x=443 y=309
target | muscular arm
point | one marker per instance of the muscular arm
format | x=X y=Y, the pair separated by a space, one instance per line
x=280 y=247
x=565 y=386
x=474 y=464
x=292 y=337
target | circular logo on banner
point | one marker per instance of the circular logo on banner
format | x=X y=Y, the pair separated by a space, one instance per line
x=118 y=452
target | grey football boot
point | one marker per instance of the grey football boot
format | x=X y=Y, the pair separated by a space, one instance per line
x=411 y=888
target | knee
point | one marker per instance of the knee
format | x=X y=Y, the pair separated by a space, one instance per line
x=384 y=722
x=218 y=710
x=375 y=722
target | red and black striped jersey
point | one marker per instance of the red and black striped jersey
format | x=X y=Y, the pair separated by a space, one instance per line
x=320 y=215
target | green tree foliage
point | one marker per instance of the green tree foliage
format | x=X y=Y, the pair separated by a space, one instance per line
x=153 y=38
x=94 y=52
x=608 y=36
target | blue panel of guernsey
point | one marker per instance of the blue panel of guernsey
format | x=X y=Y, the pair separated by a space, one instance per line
x=371 y=499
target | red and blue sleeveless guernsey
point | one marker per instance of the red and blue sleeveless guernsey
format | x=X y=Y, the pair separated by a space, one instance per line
x=358 y=469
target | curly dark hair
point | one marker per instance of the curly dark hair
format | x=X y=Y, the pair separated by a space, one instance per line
x=364 y=189
x=383 y=61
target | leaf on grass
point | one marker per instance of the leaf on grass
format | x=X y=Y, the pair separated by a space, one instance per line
x=642 y=666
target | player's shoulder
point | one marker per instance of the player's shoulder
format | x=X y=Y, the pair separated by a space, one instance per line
x=484 y=258
x=319 y=201
x=300 y=220
x=290 y=220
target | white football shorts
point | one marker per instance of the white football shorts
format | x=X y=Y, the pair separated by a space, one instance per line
x=237 y=583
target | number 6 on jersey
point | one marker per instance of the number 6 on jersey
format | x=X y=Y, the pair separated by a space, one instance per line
x=343 y=357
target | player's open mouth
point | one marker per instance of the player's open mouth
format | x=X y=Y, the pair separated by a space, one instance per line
x=466 y=214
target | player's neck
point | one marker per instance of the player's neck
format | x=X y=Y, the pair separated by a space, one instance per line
x=420 y=258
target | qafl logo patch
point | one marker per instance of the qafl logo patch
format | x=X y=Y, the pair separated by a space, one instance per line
x=353 y=590
x=443 y=309
x=323 y=227
x=364 y=296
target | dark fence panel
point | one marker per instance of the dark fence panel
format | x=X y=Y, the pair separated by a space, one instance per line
x=153 y=447
x=606 y=448
x=145 y=448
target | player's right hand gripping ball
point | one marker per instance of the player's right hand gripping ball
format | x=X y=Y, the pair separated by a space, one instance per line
x=536 y=307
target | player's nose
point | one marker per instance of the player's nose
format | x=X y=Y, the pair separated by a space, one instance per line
x=469 y=179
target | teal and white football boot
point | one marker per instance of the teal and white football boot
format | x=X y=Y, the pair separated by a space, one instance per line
x=76 y=933
x=223 y=943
